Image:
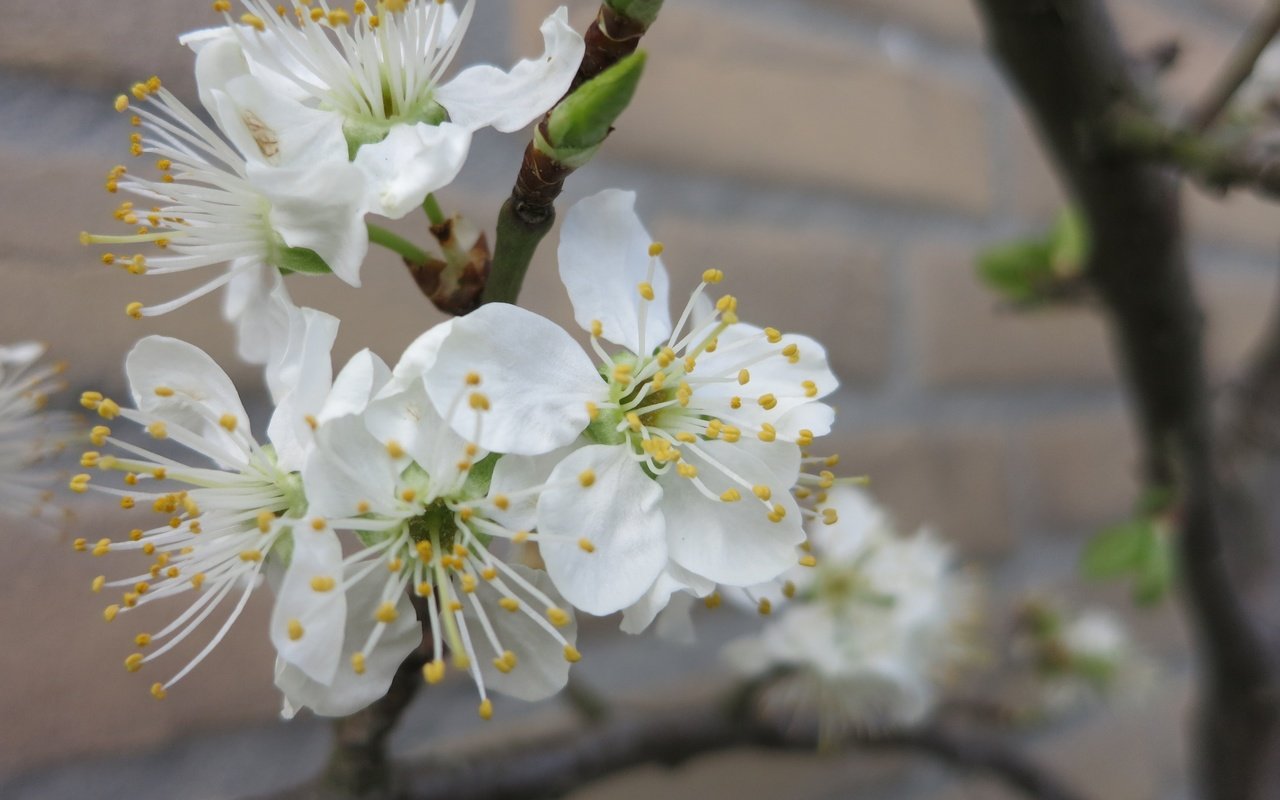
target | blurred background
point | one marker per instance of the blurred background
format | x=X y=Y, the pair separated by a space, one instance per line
x=842 y=161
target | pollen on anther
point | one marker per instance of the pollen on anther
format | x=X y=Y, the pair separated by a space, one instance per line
x=712 y=600
x=433 y=672
x=597 y=328
x=357 y=663
x=394 y=449
x=646 y=290
x=386 y=613
x=713 y=276
x=134 y=310
x=762 y=492
x=486 y=709
x=808 y=561
x=586 y=545
x=656 y=249
x=501 y=502
x=731 y=496
x=158 y=691
x=478 y=401
x=558 y=616
x=571 y=654
x=587 y=478
x=765 y=607
x=322 y=583
x=829 y=516
x=509 y=604
x=134 y=662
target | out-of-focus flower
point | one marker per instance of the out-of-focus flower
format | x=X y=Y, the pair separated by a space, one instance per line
x=866 y=635
x=429 y=506
x=378 y=73
x=29 y=432
x=686 y=440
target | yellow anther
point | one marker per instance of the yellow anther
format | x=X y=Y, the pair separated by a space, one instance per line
x=593 y=411
x=505 y=662
x=422 y=589
x=731 y=434
x=461 y=660
x=808 y=561
x=686 y=470
x=686 y=437
x=712 y=276
x=832 y=460
x=339 y=17
x=386 y=613
x=228 y=421
x=520 y=537
x=646 y=290
x=317 y=14
x=571 y=654
x=690 y=363
x=127 y=502
x=486 y=709
x=408 y=495
x=666 y=357
x=767 y=401
x=826 y=479
x=509 y=604
x=478 y=401
x=767 y=433
x=158 y=430
x=744 y=376
x=142 y=639
x=295 y=630
x=109 y=613
x=80 y=545
x=501 y=502
x=322 y=583
x=433 y=672
x=394 y=449
x=158 y=691
x=597 y=328
x=810 y=388
x=254 y=20
x=829 y=516
x=197 y=580
x=357 y=663
x=489 y=573
x=121 y=103
x=778 y=513
x=731 y=496
x=656 y=249
x=586 y=545
x=792 y=352
x=727 y=303
x=134 y=310
x=622 y=372
x=465 y=514
x=265 y=519
x=424 y=550
x=558 y=616
x=586 y=478
x=468 y=583
x=134 y=662
x=222 y=6
x=764 y=607
x=90 y=400
x=763 y=492
x=473 y=378
x=149 y=548
x=735 y=402
x=99 y=582
x=102 y=547
x=363 y=507
x=90 y=459
x=788 y=590
x=805 y=437
x=712 y=600
x=633 y=422
x=251 y=556
x=773 y=335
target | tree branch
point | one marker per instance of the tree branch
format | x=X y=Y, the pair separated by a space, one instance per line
x=546 y=769
x=1256 y=38
x=1065 y=60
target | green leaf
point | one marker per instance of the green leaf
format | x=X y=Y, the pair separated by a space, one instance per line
x=584 y=118
x=1069 y=245
x=300 y=259
x=1155 y=571
x=1116 y=551
x=1017 y=269
x=642 y=11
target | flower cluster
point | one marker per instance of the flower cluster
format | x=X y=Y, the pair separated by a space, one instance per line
x=320 y=117
x=864 y=638
x=387 y=495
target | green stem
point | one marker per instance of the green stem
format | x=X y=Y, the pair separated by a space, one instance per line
x=435 y=214
x=517 y=241
x=397 y=244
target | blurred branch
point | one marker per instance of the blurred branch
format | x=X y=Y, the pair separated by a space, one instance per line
x=1238 y=68
x=1066 y=61
x=545 y=769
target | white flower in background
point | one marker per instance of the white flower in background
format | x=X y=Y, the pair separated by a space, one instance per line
x=29 y=433
x=690 y=432
x=260 y=193
x=379 y=73
x=865 y=636
x=225 y=518
x=429 y=507
x=1083 y=660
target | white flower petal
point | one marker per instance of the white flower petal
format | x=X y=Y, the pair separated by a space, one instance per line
x=270 y=128
x=604 y=257
x=513 y=476
x=536 y=378
x=410 y=421
x=348 y=468
x=300 y=379
x=411 y=163
x=256 y=302
x=731 y=543
x=307 y=627
x=483 y=96
x=674 y=580
x=618 y=514
x=541 y=669
x=349 y=692
x=200 y=393
x=417 y=358
x=360 y=380
x=318 y=207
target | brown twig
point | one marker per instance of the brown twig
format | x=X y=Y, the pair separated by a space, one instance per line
x=546 y=769
x=1238 y=68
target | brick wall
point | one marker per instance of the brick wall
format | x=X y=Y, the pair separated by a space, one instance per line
x=841 y=160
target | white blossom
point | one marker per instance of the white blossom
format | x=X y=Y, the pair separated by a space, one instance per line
x=379 y=73
x=30 y=433
x=690 y=433
x=866 y=634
